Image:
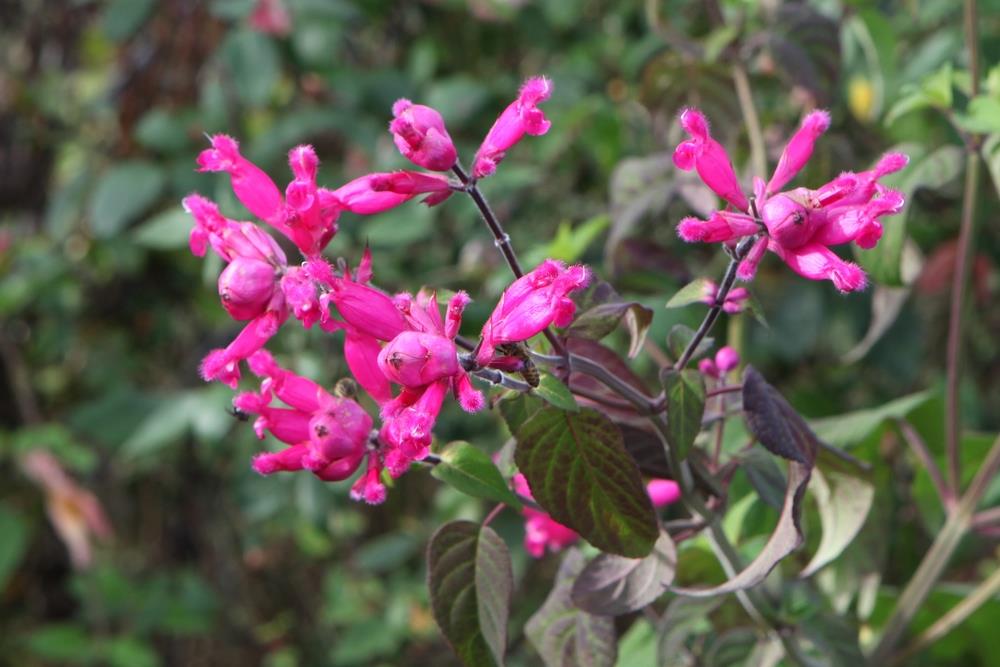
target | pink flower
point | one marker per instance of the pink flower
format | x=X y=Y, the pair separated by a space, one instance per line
x=421 y=137
x=522 y=116
x=375 y=193
x=307 y=215
x=271 y=17
x=798 y=225
x=726 y=359
x=734 y=299
x=532 y=302
x=542 y=532
x=327 y=435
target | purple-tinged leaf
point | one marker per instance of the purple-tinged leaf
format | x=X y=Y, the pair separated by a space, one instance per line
x=580 y=473
x=617 y=366
x=775 y=423
x=566 y=636
x=600 y=320
x=683 y=618
x=611 y=585
x=470 y=580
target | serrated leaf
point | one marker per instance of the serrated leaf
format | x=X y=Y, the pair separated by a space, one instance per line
x=554 y=391
x=602 y=319
x=844 y=495
x=122 y=194
x=566 y=636
x=470 y=581
x=678 y=338
x=684 y=617
x=685 y=393
x=611 y=585
x=580 y=473
x=470 y=470
x=693 y=292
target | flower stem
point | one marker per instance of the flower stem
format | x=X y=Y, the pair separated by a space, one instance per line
x=742 y=248
x=501 y=240
x=919 y=447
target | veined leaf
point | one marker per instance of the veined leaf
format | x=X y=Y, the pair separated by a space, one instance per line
x=555 y=392
x=685 y=392
x=611 y=585
x=470 y=470
x=470 y=580
x=693 y=292
x=580 y=473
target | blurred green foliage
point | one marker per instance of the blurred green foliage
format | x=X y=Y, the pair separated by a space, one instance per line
x=104 y=314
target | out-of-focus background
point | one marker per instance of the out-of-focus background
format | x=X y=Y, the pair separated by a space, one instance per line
x=133 y=532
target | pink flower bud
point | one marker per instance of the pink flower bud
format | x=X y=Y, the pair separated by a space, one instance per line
x=380 y=192
x=707 y=367
x=370 y=311
x=252 y=186
x=663 y=492
x=532 y=302
x=522 y=116
x=369 y=486
x=223 y=365
x=709 y=159
x=419 y=134
x=748 y=267
x=817 y=262
x=726 y=359
x=414 y=359
x=337 y=430
x=271 y=17
x=246 y=287
x=799 y=149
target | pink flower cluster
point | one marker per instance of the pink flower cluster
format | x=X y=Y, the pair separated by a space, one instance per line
x=726 y=359
x=798 y=225
x=401 y=349
x=542 y=532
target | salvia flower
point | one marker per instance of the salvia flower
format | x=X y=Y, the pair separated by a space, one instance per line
x=542 y=532
x=522 y=116
x=325 y=434
x=375 y=193
x=798 y=225
x=531 y=303
x=419 y=133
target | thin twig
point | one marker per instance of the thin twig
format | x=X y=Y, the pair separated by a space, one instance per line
x=742 y=248
x=919 y=448
x=646 y=404
x=501 y=240
x=728 y=389
x=986 y=517
x=493 y=514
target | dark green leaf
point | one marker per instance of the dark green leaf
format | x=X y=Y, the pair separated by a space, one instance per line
x=253 y=64
x=580 y=473
x=122 y=194
x=470 y=580
x=694 y=292
x=678 y=338
x=765 y=476
x=685 y=392
x=566 y=636
x=517 y=408
x=555 y=392
x=611 y=585
x=14 y=530
x=774 y=422
x=471 y=471
x=121 y=18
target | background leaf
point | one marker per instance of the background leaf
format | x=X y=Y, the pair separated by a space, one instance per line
x=611 y=585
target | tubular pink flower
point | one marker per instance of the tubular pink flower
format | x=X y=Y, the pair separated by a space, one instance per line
x=300 y=294
x=361 y=352
x=419 y=134
x=252 y=186
x=799 y=149
x=788 y=221
x=369 y=486
x=531 y=303
x=369 y=310
x=223 y=365
x=818 y=262
x=748 y=267
x=522 y=116
x=310 y=219
x=707 y=156
x=721 y=226
x=375 y=193
x=414 y=359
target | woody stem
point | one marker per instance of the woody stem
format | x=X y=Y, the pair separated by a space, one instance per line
x=500 y=239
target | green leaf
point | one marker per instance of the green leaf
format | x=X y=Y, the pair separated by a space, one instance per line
x=129 y=651
x=471 y=471
x=121 y=18
x=62 y=643
x=555 y=392
x=991 y=156
x=570 y=243
x=580 y=473
x=253 y=64
x=470 y=580
x=981 y=116
x=851 y=428
x=516 y=408
x=566 y=636
x=611 y=585
x=935 y=91
x=844 y=494
x=124 y=192
x=678 y=338
x=168 y=230
x=163 y=131
x=14 y=530
x=684 y=617
x=693 y=292
x=685 y=392
x=602 y=319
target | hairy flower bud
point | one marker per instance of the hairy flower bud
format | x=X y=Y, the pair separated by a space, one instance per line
x=419 y=133
x=522 y=116
x=246 y=287
x=414 y=359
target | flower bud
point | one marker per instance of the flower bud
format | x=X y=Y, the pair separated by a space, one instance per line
x=246 y=287
x=414 y=359
x=419 y=134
